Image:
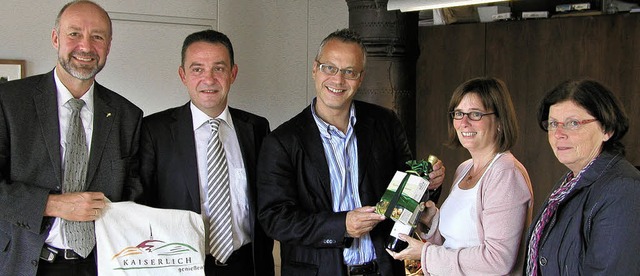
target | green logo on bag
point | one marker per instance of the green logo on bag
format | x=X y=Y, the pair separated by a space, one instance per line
x=154 y=253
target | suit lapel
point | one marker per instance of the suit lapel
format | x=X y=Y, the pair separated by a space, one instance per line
x=364 y=133
x=104 y=116
x=312 y=145
x=185 y=146
x=246 y=139
x=46 y=103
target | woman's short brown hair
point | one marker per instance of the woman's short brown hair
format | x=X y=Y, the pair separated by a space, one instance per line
x=495 y=98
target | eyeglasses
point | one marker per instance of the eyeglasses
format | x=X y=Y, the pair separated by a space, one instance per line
x=567 y=125
x=473 y=115
x=349 y=74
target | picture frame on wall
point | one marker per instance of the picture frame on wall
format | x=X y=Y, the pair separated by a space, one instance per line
x=12 y=69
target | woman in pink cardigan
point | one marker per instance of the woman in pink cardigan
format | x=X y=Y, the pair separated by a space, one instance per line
x=479 y=228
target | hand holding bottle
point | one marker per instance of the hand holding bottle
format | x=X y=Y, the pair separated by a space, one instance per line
x=361 y=221
x=429 y=212
x=436 y=177
x=412 y=252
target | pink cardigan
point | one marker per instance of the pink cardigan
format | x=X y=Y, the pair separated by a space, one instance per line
x=504 y=204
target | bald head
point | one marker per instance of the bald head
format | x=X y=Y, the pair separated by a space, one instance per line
x=84 y=3
x=82 y=37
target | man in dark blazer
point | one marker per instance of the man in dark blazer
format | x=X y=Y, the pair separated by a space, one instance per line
x=321 y=173
x=173 y=153
x=34 y=114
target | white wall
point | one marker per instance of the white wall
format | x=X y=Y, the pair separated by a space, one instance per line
x=274 y=42
x=145 y=51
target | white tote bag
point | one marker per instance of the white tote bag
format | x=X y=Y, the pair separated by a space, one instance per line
x=134 y=239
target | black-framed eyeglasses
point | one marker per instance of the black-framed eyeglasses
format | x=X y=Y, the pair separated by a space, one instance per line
x=473 y=115
x=348 y=73
x=570 y=124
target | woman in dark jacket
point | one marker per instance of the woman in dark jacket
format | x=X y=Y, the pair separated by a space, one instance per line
x=589 y=224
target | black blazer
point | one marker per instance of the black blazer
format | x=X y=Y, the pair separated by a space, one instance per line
x=31 y=162
x=294 y=189
x=169 y=169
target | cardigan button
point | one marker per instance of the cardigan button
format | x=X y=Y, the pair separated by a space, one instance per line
x=543 y=261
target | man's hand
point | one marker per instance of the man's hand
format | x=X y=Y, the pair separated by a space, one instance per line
x=82 y=206
x=436 y=177
x=430 y=211
x=362 y=220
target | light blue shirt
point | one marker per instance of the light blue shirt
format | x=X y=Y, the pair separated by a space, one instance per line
x=341 y=151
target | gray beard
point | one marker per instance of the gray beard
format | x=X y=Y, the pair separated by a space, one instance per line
x=81 y=72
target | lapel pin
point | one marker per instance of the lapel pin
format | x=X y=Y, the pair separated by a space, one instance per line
x=108 y=114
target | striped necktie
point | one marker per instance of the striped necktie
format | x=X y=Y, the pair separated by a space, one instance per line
x=218 y=197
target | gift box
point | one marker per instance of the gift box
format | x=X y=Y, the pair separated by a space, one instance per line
x=401 y=200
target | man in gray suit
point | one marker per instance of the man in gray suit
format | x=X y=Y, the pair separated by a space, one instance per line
x=38 y=203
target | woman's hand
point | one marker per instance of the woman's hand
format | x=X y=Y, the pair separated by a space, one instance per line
x=412 y=252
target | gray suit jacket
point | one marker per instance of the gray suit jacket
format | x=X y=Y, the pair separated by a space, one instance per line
x=30 y=162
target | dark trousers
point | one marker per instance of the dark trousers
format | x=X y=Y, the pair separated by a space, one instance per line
x=239 y=264
x=62 y=267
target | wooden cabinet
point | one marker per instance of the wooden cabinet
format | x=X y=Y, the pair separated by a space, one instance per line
x=532 y=57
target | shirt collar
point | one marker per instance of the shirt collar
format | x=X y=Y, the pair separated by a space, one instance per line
x=64 y=95
x=324 y=127
x=199 y=118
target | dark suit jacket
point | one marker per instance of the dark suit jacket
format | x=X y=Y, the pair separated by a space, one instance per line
x=294 y=189
x=30 y=162
x=169 y=169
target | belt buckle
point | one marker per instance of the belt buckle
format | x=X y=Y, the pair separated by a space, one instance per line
x=355 y=271
x=48 y=254
x=70 y=255
x=363 y=269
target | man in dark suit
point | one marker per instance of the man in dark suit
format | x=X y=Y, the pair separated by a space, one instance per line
x=174 y=167
x=36 y=204
x=320 y=173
